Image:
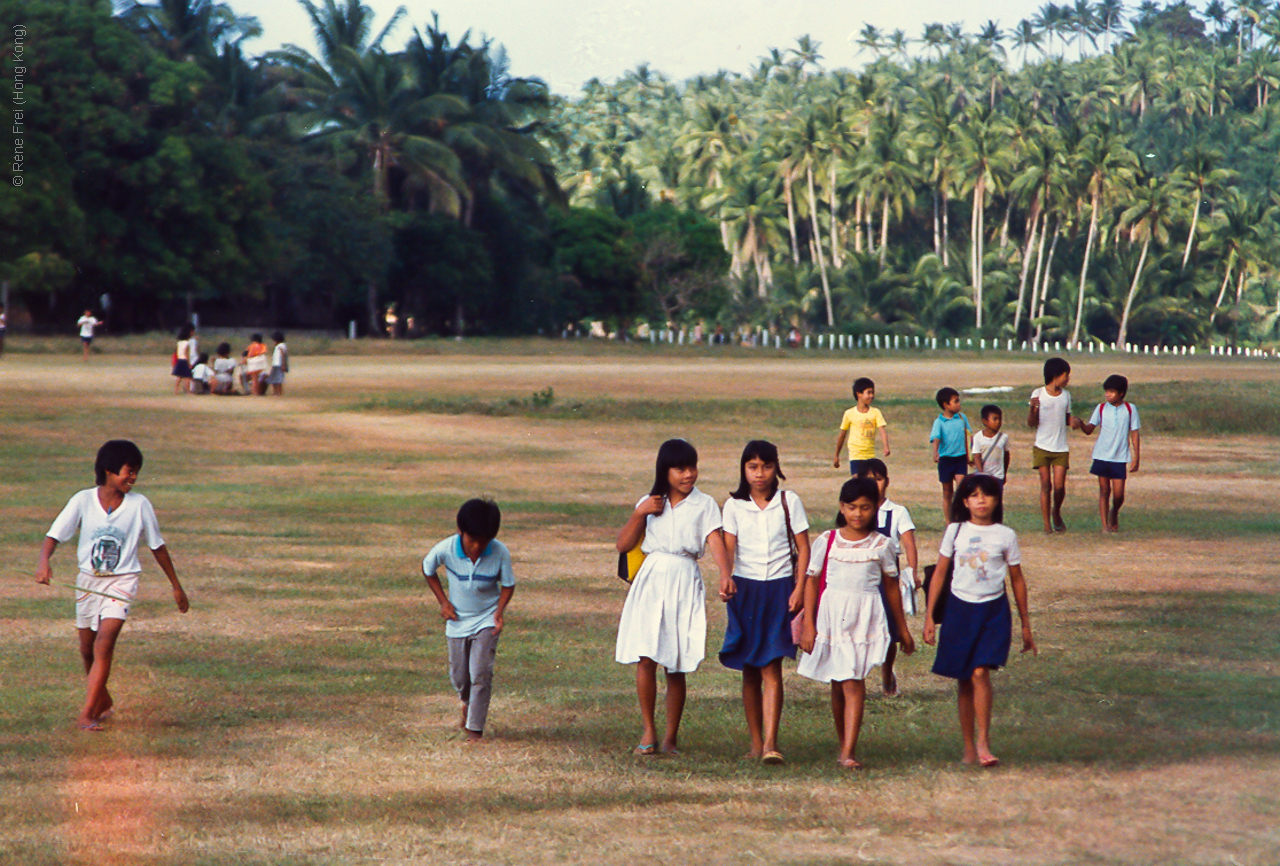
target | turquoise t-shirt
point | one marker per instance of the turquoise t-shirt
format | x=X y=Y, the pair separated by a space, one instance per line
x=951 y=433
x=474 y=587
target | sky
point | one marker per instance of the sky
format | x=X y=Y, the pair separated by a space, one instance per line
x=568 y=42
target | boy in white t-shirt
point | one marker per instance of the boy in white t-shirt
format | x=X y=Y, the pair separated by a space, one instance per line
x=990 y=446
x=1050 y=417
x=1118 y=450
x=111 y=520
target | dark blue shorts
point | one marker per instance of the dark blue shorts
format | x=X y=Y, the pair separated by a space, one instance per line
x=950 y=467
x=1108 y=469
x=856 y=466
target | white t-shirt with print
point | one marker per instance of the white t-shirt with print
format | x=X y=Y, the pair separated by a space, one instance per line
x=108 y=542
x=980 y=559
x=1051 y=433
x=762 y=551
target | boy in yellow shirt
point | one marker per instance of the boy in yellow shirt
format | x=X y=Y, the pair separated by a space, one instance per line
x=858 y=427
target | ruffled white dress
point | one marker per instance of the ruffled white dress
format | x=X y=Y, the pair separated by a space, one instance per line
x=853 y=629
x=665 y=614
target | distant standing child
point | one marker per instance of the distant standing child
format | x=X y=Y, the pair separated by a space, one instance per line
x=111 y=520
x=279 y=364
x=1050 y=417
x=977 y=625
x=1118 y=450
x=894 y=522
x=481 y=584
x=990 y=446
x=182 y=361
x=224 y=370
x=859 y=426
x=664 y=619
x=201 y=375
x=87 y=323
x=949 y=438
x=846 y=632
x=761 y=526
x=256 y=362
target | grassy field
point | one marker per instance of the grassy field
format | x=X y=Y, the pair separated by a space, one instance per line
x=301 y=712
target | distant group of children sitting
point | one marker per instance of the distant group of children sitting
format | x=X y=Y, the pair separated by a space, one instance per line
x=253 y=372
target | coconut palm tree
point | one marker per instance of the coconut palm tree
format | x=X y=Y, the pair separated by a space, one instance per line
x=984 y=157
x=1147 y=219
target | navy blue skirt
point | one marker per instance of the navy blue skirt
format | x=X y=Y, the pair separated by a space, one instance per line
x=973 y=636
x=759 y=630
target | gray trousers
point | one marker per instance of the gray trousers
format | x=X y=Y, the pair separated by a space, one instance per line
x=471 y=672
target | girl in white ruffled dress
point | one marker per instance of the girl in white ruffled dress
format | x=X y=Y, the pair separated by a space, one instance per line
x=846 y=630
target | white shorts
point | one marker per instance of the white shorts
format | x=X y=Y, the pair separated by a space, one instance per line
x=92 y=608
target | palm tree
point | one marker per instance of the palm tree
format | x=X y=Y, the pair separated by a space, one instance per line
x=983 y=155
x=1146 y=219
x=1105 y=163
x=1026 y=37
x=1198 y=173
x=1110 y=18
x=190 y=29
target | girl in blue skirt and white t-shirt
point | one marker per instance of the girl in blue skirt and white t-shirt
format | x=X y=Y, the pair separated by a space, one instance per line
x=977 y=623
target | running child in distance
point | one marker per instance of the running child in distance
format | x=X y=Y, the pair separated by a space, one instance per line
x=1118 y=450
x=859 y=425
x=664 y=619
x=481 y=584
x=766 y=536
x=846 y=632
x=111 y=519
x=977 y=624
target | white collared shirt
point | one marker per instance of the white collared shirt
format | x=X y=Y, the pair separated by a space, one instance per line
x=763 y=551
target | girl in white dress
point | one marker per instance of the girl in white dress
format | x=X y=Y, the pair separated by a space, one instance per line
x=664 y=619
x=846 y=632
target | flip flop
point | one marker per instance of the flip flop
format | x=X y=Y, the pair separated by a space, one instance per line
x=646 y=750
x=989 y=762
x=93 y=727
x=773 y=758
x=850 y=764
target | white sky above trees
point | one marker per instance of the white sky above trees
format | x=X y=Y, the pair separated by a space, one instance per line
x=567 y=42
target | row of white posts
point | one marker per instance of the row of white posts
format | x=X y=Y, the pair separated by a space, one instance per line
x=891 y=342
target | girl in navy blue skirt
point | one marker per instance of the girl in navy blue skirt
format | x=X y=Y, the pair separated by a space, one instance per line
x=766 y=534
x=977 y=623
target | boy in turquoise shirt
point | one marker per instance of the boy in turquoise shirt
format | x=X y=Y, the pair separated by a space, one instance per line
x=481 y=584
x=950 y=440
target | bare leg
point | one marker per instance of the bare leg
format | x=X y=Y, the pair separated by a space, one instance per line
x=837 y=710
x=948 y=492
x=983 y=697
x=97 y=699
x=1104 y=503
x=1059 y=495
x=753 y=704
x=772 y=703
x=855 y=697
x=1046 y=495
x=886 y=671
x=1117 y=499
x=964 y=703
x=676 y=689
x=647 y=690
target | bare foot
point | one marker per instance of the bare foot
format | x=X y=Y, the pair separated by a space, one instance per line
x=473 y=737
x=849 y=763
x=891 y=685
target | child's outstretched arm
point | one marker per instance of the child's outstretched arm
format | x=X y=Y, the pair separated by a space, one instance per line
x=840 y=440
x=44 y=571
x=1135 y=446
x=165 y=562
x=935 y=593
x=504 y=598
x=633 y=529
x=715 y=543
x=1019 y=585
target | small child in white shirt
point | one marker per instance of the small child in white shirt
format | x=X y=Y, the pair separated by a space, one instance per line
x=990 y=446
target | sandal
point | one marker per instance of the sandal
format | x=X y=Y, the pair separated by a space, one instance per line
x=646 y=750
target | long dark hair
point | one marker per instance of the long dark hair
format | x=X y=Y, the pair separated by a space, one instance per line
x=855 y=489
x=758 y=449
x=970 y=483
x=672 y=454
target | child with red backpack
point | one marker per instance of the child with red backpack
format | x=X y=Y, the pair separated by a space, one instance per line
x=1118 y=450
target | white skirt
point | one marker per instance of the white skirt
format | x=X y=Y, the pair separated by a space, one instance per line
x=665 y=615
x=853 y=637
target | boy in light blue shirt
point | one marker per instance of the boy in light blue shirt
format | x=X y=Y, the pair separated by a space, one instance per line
x=481 y=584
x=949 y=437
x=1118 y=450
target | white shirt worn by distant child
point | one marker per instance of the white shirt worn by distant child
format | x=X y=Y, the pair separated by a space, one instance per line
x=1051 y=433
x=992 y=450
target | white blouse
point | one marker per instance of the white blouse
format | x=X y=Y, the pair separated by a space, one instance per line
x=682 y=530
x=763 y=551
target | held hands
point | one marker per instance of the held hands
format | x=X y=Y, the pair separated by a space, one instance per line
x=728 y=589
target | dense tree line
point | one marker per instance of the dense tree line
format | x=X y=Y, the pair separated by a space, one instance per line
x=1116 y=181
x=1085 y=175
x=172 y=174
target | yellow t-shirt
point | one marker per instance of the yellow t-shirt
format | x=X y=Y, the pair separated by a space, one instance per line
x=862 y=428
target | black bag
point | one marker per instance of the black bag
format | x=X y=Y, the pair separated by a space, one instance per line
x=940 y=610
